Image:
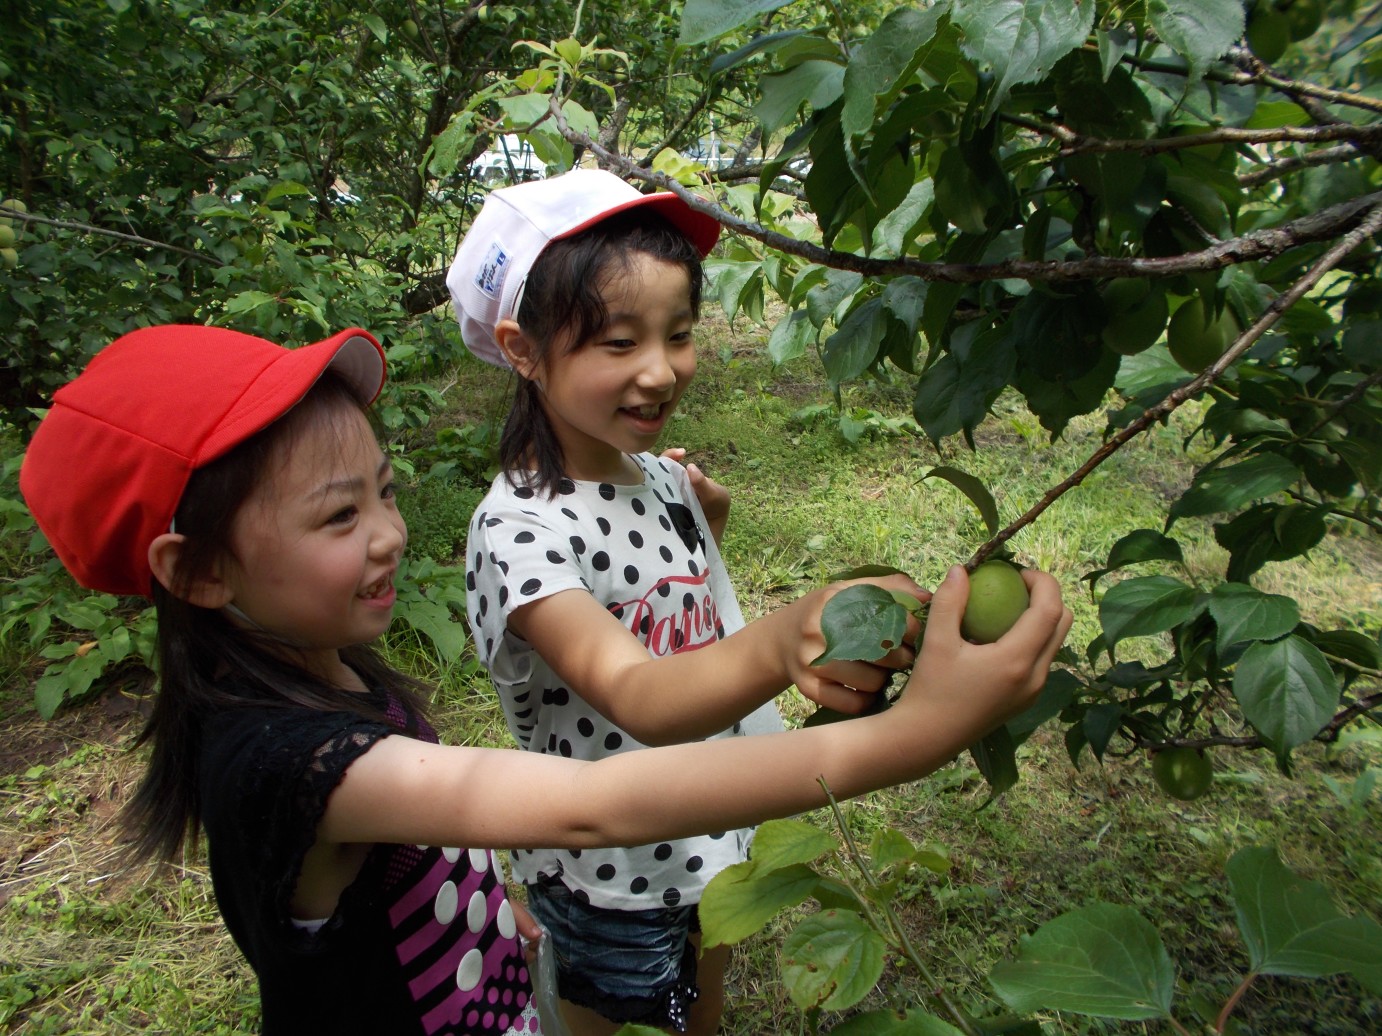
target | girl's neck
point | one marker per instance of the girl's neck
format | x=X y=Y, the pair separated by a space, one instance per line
x=622 y=470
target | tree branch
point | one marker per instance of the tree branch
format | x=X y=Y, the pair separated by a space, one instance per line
x=1281 y=167
x=87 y=228
x=1370 y=225
x=1267 y=243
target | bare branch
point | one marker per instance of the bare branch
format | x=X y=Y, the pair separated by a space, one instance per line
x=1284 y=166
x=87 y=228
x=1266 y=243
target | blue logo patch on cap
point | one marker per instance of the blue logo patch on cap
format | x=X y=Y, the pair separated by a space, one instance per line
x=490 y=277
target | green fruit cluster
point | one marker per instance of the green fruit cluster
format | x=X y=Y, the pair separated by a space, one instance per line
x=997 y=598
x=9 y=234
x=1183 y=773
x=1197 y=339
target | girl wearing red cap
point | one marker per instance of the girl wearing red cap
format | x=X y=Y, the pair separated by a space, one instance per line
x=597 y=596
x=240 y=485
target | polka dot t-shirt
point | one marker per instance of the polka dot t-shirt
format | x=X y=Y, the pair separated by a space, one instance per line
x=641 y=551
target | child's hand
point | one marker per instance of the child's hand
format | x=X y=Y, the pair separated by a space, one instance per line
x=984 y=685
x=528 y=930
x=848 y=686
x=713 y=497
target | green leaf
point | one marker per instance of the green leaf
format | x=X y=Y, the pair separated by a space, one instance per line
x=1245 y=613
x=1101 y=960
x=791 y=337
x=703 y=20
x=1020 y=40
x=853 y=348
x=861 y=622
x=1201 y=32
x=995 y=754
x=437 y=624
x=831 y=960
x=1269 y=532
x=1292 y=927
x=817 y=83
x=889 y=847
x=1231 y=486
x=1146 y=605
x=955 y=393
x=738 y=901
x=1286 y=691
x=881 y=65
x=1138 y=546
x=783 y=843
x=974 y=490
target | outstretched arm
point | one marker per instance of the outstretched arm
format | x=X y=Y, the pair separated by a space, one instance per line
x=693 y=694
x=407 y=791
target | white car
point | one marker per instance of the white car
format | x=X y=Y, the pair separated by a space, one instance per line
x=509 y=160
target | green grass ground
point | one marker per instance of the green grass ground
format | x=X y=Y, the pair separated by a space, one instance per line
x=87 y=946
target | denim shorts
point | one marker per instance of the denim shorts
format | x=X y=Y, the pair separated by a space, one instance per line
x=626 y=965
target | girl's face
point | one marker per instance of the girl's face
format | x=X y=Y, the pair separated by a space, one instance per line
x=316 y=547
x=613 y=395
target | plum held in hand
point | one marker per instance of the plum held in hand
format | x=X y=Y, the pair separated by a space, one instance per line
x=997 y=598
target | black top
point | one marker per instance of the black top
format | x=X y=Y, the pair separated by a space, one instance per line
x=422 y=942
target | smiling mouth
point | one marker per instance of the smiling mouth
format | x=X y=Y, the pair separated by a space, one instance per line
x=647 y=412
x=380 y=589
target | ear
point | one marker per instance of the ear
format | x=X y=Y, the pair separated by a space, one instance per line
x=517 y=349
x=165 y=552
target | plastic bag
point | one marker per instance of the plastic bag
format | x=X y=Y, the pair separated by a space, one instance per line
x=545 y=996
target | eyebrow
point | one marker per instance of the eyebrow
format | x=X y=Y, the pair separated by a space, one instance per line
x=351 y=485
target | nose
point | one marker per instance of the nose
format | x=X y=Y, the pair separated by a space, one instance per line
x=390 y=534
x=658 y=373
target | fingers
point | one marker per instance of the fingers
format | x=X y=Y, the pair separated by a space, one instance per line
x=836 y=696
x=676 y=453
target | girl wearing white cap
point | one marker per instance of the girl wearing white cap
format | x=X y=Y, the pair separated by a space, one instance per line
x=597 y=597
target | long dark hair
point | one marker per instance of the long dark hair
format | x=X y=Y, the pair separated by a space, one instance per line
x=563 y=307
x=207 y=664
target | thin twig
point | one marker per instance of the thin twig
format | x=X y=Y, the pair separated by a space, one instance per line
x=957 y=1014
x=87 y=228
x=1369 y=226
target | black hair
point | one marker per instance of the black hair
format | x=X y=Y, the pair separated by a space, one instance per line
x=563 y=307
x=206 y=664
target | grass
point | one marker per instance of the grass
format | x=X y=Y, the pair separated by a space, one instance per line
x=90 y=947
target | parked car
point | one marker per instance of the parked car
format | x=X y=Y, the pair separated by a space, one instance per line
x=509 y=160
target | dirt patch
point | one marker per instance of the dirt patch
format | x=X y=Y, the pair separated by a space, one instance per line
x=113 y=717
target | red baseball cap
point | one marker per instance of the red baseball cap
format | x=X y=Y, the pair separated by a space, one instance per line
x=106 y=469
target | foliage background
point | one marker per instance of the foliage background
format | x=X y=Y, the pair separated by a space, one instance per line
x=973 y=210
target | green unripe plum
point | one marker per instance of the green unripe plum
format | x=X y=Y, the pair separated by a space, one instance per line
x=997 y=599
x=1195 y=344
x=6 y=235
x=1182 y=772
x=14 y=205
x=9 y=258
x=1137 y=315
x=1303 y=16
x=1269 y=31
x=410 y=29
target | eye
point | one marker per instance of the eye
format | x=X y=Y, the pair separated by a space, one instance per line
x=389 y=492
x=344 y=516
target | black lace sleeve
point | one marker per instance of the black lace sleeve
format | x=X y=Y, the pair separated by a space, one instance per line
x=266 y=777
